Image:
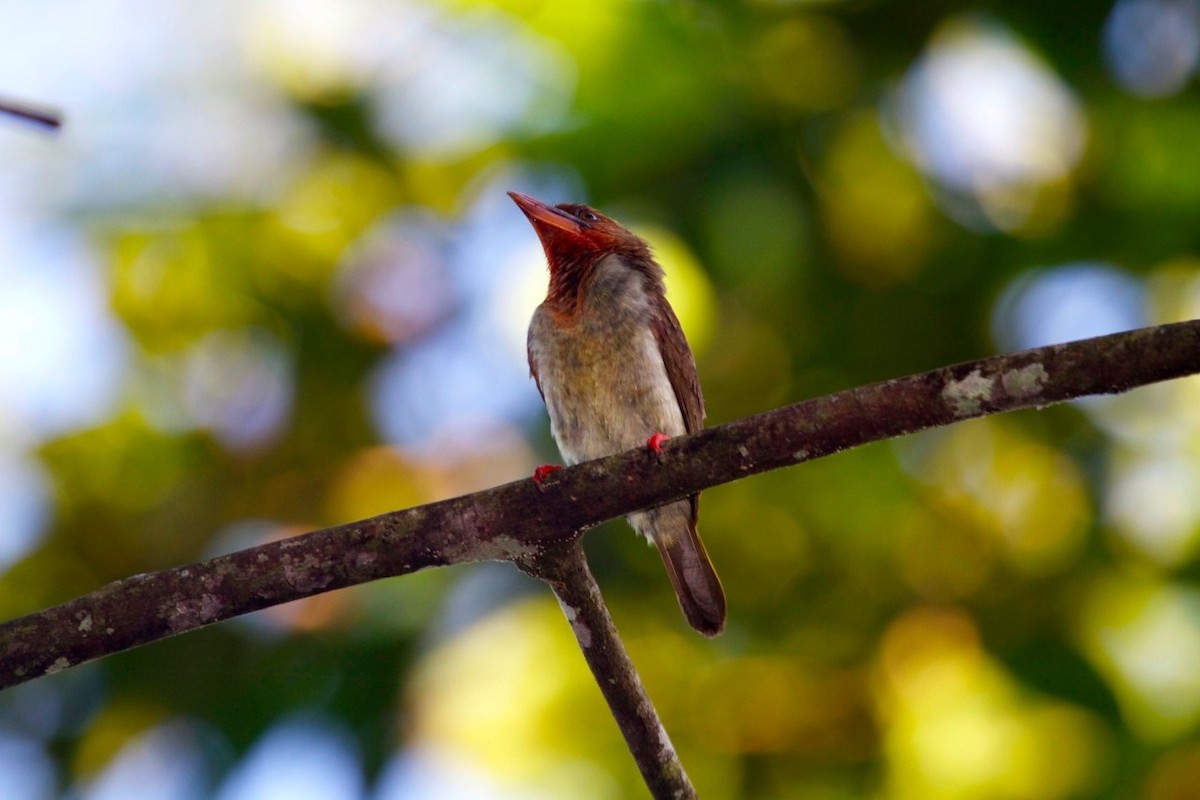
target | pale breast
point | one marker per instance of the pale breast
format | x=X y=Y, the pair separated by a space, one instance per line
x=602 y=375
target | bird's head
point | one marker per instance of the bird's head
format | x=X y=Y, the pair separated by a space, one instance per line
x=576 y=238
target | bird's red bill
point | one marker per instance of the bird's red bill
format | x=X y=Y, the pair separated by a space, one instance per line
x=537 y=211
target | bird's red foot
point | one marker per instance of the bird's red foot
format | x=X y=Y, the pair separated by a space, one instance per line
x=541 y=472
x=655 y=443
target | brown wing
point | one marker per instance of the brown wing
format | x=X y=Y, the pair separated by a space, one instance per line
x=681 y=370
x=681 y=367
x=533 y=366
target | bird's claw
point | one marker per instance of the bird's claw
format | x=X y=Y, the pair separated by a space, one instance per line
x=542 y=472
x=655 y=443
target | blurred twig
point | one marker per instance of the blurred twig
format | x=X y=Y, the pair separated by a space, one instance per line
x=515 y=522
x=41 y=117
x=565 y=570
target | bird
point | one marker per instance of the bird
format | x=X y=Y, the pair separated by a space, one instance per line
x=614 y=369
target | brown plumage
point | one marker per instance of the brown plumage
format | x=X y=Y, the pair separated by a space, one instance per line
x=611 y=361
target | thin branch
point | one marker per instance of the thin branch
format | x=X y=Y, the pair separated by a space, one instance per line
x=564 y=568
x=44 y=118
x=514 y=521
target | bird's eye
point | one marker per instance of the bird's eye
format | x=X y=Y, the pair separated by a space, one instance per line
x=589 y=216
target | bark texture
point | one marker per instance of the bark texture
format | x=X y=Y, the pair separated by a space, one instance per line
x=516 y=521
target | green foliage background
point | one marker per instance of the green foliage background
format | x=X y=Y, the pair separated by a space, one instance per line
x=1005 y=609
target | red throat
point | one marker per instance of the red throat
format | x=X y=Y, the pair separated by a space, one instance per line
x=575 y=239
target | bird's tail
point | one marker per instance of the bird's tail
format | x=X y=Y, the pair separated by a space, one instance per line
x=692 y=575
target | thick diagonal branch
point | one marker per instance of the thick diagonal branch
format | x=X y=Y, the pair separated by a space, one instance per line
x=564 y=568
x=514 y=521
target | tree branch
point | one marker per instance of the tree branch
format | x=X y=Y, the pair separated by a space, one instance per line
x=515 y=521
x=565 y=570
x=41 y=117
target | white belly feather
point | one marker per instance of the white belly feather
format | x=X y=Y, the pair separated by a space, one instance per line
x=603 y=377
